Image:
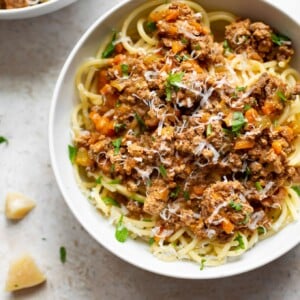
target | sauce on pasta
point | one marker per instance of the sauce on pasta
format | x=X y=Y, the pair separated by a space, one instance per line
x=186 y=142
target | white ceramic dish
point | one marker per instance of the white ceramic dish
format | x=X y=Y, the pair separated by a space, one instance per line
x=34 y=11
x=64 y=100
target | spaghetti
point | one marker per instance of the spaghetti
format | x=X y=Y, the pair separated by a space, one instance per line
x=187 y=143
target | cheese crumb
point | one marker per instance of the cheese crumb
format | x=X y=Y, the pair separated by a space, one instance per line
x=17 y=206
x=23 y=273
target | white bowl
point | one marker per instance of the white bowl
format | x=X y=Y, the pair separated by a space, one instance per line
x=64 y=100
x=33 y=11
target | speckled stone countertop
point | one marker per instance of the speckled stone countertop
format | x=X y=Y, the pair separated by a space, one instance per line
x=32 y=53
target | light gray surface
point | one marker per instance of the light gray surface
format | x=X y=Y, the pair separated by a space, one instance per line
x=31 y=55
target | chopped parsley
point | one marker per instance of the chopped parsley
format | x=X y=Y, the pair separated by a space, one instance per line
x=258 y=186
x=281 y=96
x=151 y=241
x=117 y=145
x=174 y=193
x=226 y=46
x=3 y=140
x=151 y=26
x=209 y=130
x=110 y=48
x=246 y=219
x=63 y=254
x=99 y=180
x=296 y=188
x=118 y=127
x=163 y=171
x=235 y=205
x=248 y=171
x=261 y=230
x=148 y=182
x=198 y=47
x=203 y=261
x=72 y=153
x=125 y=70
x=279 y=39
x=172 y=81
x=238 y=121
x=110 y=201
x=184 y=41
x=115 y=181
x=186 y=195
x=247 y=107
x=240 y=240
x=112 y=168
x=121 y=233
x=141 y=122
x=241 y=88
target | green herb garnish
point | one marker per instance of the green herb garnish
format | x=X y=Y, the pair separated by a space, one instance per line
x=246 y=219
x=121 y=233
x=117 y=145
x=186 y=195
x=163 y=171
x=296 y=188
x=235 y=205
x=209 y=130
x=238 y=121
x=281 y=96
x=184 y=41
x=240 y=240
x=172 y=82
x=226 y=46
x=261 y=230
x=110 y=48
x=203 y=261
x=110 y=201
x=125 y=70
x=115 y=181
x=247 y=107
x=72 y=153
x=241 y=88
x=118 y=127
x=174 y=193
x=151 y=241
x=141 y=122
x=198 y=47
x=258 y=186
x=3 y=140
x=279 y=39
x=151 y=26
x=63 y=254
x=112 y=168
x=99 y=180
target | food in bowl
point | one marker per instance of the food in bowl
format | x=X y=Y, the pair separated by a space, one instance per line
x=189 y=143
x=10 y=4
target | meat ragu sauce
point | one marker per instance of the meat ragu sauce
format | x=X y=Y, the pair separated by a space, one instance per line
x=9 y=4
x=210 y=156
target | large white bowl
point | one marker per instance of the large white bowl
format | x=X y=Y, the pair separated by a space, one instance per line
x=33 y=11
x=64 y=100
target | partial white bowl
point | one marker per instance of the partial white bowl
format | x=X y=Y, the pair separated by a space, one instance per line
x=33 y=11
x=65 y=99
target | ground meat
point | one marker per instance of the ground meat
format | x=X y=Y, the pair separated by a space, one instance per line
x=157 y=197
x=256 y=40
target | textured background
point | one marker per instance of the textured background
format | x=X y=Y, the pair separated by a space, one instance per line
x=32 y=53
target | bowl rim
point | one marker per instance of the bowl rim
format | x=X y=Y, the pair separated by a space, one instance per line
x=33 y=10
x=202 y=276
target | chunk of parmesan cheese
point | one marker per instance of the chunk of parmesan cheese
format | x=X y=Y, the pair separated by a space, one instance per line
x=17 y=206
x=23 y=273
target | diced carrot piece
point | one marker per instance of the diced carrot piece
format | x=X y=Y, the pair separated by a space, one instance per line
x=243 y=144
x=277 y=147
x=103 y=124
x=102 y=80
x=157 y=15
x=118 y=59
x=198 y=190
x=227 y=226
x=172 y=15
x=251 y=115
x=268 y=108
x=177 y=47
